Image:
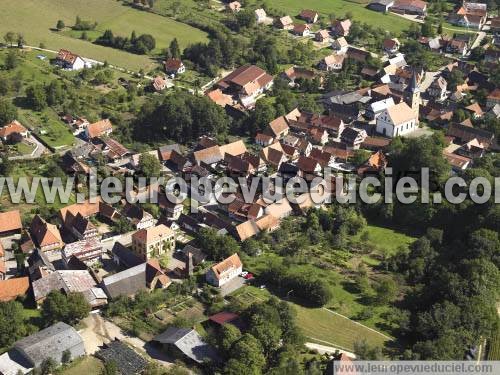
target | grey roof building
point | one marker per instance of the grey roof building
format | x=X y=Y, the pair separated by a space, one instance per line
x=189 y=343
x=145 y=276
x=50 y=342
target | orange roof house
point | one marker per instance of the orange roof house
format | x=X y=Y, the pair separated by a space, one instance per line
x=14 y=130
x=10 y=223
x=12 y=288
x=45 y=235
x=225 y=271
x=99 y=128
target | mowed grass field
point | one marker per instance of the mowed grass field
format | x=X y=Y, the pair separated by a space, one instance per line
x=389 y=22
x=35 y=19
x=323 y=327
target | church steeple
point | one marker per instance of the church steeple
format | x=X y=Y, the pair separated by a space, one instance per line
x=412 y=93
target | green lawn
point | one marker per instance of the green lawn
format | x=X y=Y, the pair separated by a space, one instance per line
x=388 y=22
x=35 y=18
x=48 y=127
x=385 y=239
x=85 y=366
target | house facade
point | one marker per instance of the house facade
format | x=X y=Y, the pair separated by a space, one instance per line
x=397 y=120
x=153 y=242
x=225 y=271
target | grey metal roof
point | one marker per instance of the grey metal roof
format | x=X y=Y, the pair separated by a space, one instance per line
x=49 y=342
x=127 y=282
x=189 y=342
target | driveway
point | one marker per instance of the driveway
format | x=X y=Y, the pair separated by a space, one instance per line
x=231 y=286
x=99 y=331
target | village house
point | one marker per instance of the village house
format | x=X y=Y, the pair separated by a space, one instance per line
x=68 y=60
x=153 y=242
x=437 y=89
x=462 y=134
x=391 y=46
x=246 y=83
x=81 y=227
x=340 y=45
x=273 y=155
x=341 y=28
x=301 y=29
x=332 y=62
x=382 y=6
x=86 y=252
x=14 y=287
x=68 y=281
x=39 y=265
x=308 y=15
x=99 y=129
x=10 y=223
x=458 y=163
x=264 y=140
x=457 y=46
x=145 y=276
x=174 y=66
x=284 y=23
x=472 y=149
x=225 y=271
x=234 y=6
x=279 y=209
x=353 y=137
x=13 y=132
x=260 y=15
x=375 y=164
x=139 y=217
x=397 y=120
x=410 y=7
x=322 y=36
x=45 y=236
x=475 y=110
x=493 y=98
x=186 y=344
x=472 y=15
x=160 y=83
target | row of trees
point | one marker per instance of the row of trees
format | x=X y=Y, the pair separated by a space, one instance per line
x=141 y=44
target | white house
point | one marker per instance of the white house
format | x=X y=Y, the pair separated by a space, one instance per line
x=68 y=60
x=225 y=271
x=260 y=15
x=340 y=45
x=332 y=62
x=397 y=120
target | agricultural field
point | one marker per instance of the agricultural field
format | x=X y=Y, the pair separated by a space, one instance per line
x=42 y=16
x=389 y=22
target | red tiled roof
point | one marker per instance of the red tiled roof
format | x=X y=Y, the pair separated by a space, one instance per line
x=12 y=128
x=12 y=288
x=99 y=128
x=223 y=317
x=10 y=221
